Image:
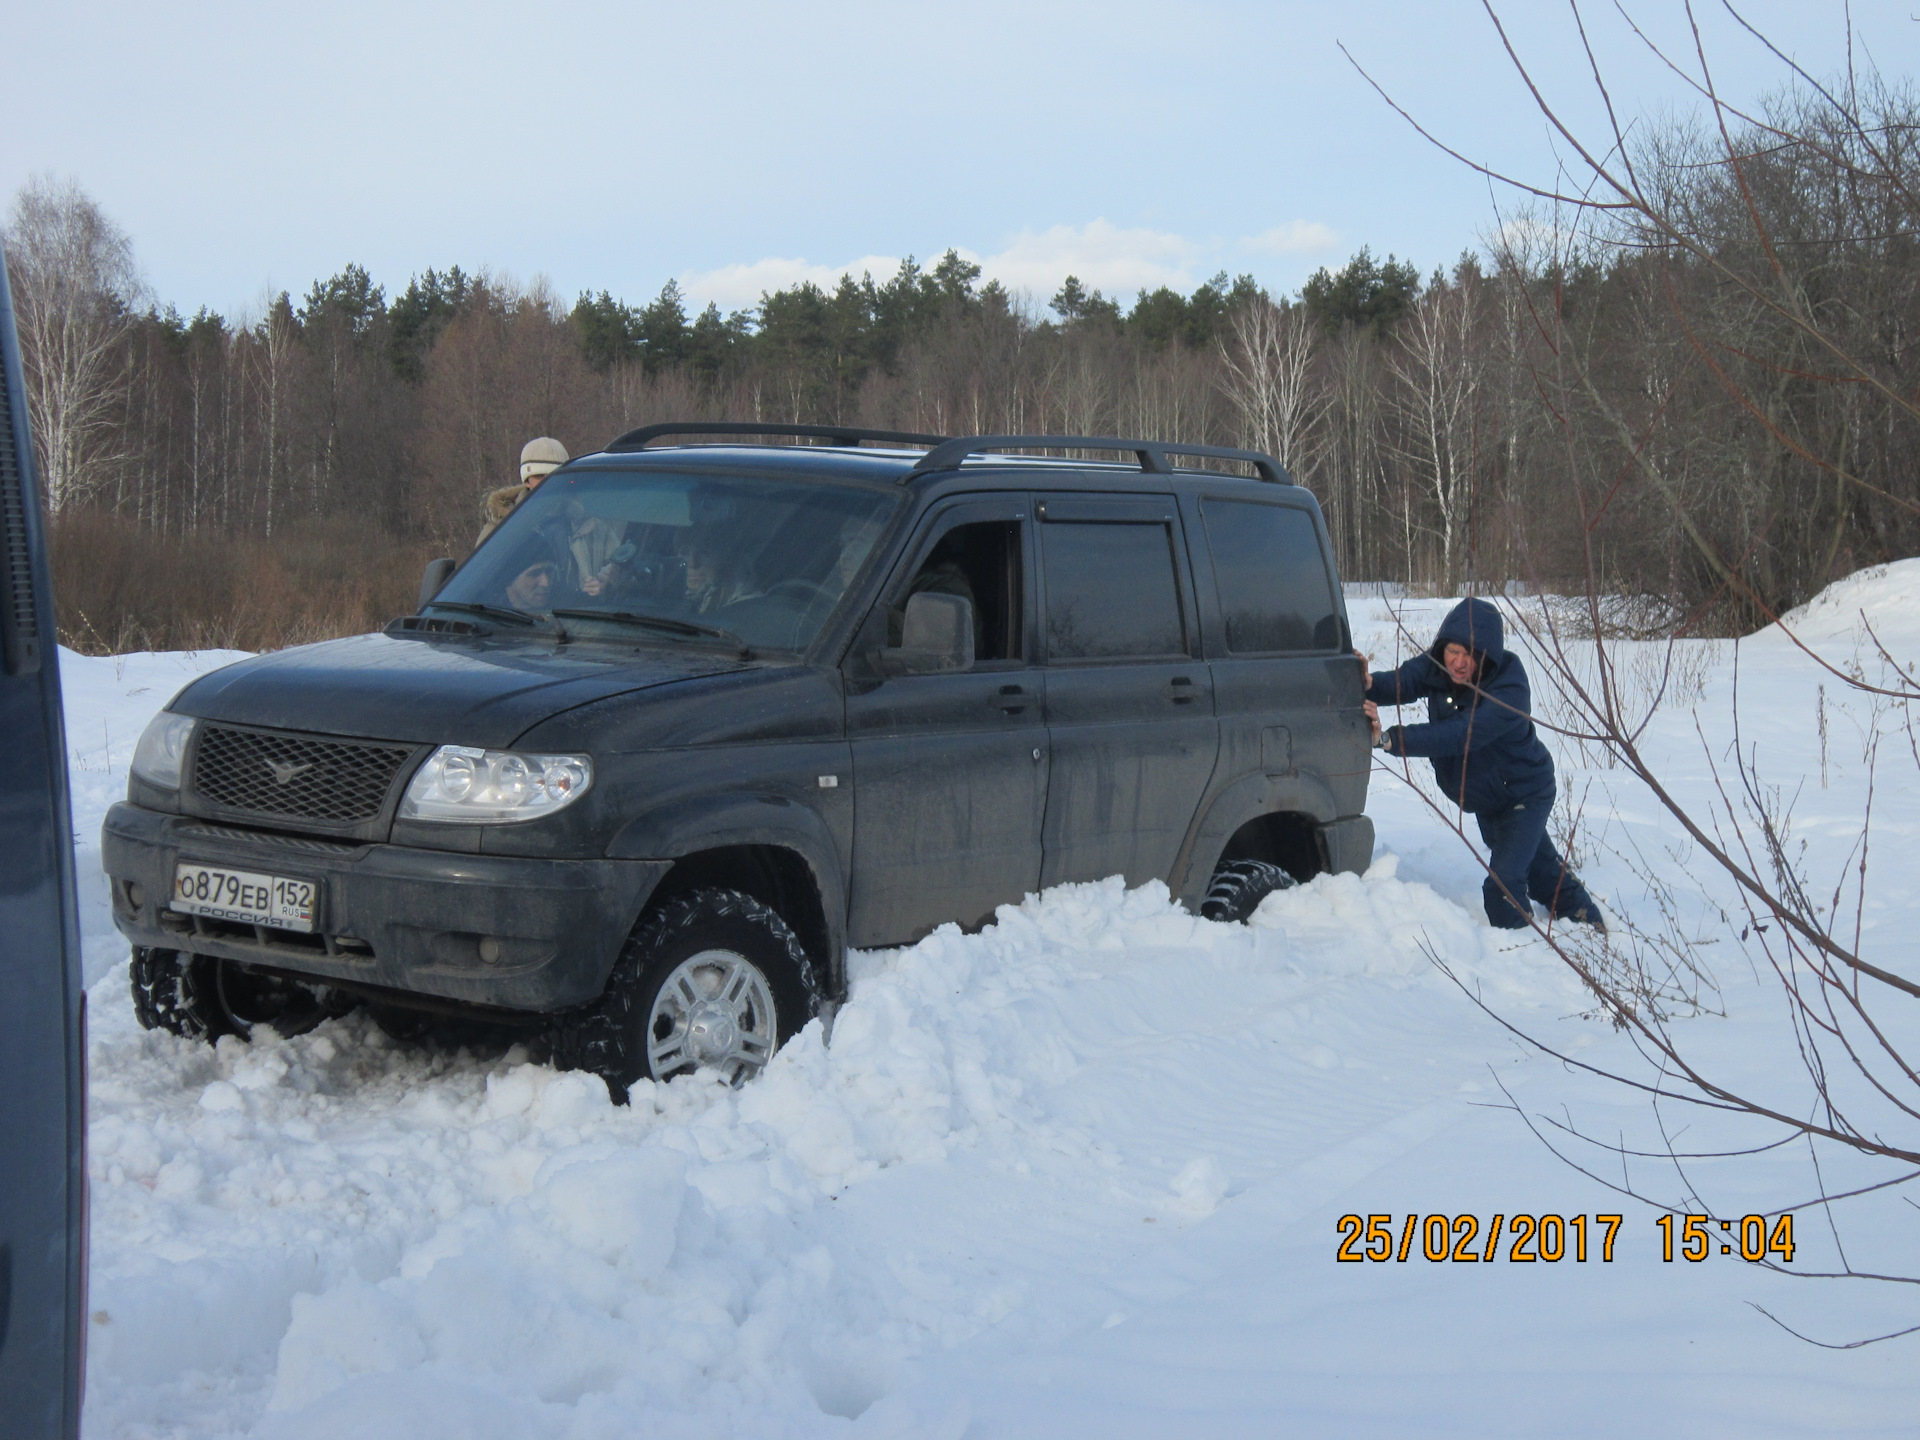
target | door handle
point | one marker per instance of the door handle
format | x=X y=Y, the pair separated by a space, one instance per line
x=1181 y=691
x=1010 y=698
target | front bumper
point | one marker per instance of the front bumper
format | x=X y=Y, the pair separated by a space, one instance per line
x=522 y=934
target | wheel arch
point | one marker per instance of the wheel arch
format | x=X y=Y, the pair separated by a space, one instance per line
x=1258 y=817
x=1284 y=837
x=767 y=846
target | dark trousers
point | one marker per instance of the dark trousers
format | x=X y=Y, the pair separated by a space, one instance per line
x=1525 y=863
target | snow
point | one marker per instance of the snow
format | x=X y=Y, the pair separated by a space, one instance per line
x=1886 y=597
x=1076 y=1174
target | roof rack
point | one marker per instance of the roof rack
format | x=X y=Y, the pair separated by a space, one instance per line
x=838 y=434
x=1152 y=454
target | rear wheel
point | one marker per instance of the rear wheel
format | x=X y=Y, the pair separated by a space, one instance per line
x=1238 y=888
x=712 y=981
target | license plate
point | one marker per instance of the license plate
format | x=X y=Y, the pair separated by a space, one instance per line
x=244 y=895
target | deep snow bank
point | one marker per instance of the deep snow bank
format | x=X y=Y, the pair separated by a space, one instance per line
x=1885 y=597
x=356 y=1232
x=1078 y=1170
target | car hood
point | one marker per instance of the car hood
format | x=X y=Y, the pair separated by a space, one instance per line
x=484 y=692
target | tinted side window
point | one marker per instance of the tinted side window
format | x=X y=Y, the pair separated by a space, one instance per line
x=1111 y=591
x=1273 y=582
x=981 y=563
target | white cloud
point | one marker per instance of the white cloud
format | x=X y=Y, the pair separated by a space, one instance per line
x=1118 y=262
x=1296 y=237
x=1102 y=255
x=735 y=287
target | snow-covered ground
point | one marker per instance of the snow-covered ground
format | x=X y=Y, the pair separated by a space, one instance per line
x=1079 y=1174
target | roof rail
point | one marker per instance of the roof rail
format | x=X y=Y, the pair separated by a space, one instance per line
x=839 y=434
x=1152 y=454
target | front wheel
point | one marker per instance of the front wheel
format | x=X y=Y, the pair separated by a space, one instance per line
x=712 y=981
x=178 y=993
x=1238 y=888
x=198 y=997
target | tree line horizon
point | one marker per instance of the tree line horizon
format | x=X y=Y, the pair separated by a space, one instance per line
x=1430 y=415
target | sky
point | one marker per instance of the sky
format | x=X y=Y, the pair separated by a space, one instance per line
x=740 y=145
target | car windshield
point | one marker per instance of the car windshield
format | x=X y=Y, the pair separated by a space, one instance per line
x=675 y=558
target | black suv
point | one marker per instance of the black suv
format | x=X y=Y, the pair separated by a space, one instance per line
x=698 y=717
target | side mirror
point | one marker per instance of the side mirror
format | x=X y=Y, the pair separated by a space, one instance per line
x=434 y=579
x=936 y=637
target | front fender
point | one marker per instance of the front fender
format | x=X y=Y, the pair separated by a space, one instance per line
x=686 y=827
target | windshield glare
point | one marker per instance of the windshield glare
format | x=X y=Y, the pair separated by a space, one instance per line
x=765 y=560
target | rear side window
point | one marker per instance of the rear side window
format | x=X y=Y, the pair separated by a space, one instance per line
x=1273 y=584
x=1111 y=591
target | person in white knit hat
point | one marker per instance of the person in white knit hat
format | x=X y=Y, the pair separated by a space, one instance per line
x=538 y=459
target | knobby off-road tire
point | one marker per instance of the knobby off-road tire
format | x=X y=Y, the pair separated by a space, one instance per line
x=178 y=993
x=1238 y=888
x=714 y=980
x=198 y=997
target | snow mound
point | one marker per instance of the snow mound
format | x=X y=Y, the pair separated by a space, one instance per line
x=1887 y=597
x=395 y=1242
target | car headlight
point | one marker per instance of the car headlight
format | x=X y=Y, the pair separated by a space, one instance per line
x=162 y=748
x=486 y=787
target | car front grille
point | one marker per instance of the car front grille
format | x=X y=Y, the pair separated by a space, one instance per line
x=295 y=777
x=304 y=844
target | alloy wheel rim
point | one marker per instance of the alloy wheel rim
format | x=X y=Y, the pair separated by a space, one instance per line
x=715 y=1012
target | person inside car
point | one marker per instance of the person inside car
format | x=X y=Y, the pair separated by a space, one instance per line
x=591 y=544
x=1480 y=737
x=856 y=543
x=714 y=579
x=532 y=589
x=943 y=573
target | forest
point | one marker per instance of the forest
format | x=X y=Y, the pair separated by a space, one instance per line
x=1571 y=402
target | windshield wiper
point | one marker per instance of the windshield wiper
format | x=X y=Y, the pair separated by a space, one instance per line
x=492 y=612
x=659 y=622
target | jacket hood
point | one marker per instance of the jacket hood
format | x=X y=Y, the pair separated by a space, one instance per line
x=1475 y=624
x=485 y=693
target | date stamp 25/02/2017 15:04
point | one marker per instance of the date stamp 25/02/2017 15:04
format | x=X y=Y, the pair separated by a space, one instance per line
x=1532 y=1238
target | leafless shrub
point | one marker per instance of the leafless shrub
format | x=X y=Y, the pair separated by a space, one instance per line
x=120 y=588
x=1726 y=227
x=1615 y=617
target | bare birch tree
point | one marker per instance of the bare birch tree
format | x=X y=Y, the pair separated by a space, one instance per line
x=271 y=356
x=74 y=287
x=1352 y=456
x=1437 y=363
x=1270 y=379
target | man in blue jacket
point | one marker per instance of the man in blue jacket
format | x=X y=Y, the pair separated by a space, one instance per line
x=1479 y=735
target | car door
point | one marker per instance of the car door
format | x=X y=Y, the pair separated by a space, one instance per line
x=950 y=771
x=1283 y=670
x=1129 y=703
x=42 y=1022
